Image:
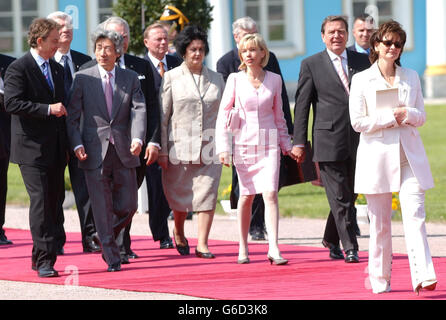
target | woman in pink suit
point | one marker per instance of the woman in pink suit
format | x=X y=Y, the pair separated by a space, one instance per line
x=391 y=158
x=258 y=141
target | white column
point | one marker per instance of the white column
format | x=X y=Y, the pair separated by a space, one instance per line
x=435 y=75
x=220 y=33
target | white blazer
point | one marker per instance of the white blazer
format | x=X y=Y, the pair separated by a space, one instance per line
x=378 y=156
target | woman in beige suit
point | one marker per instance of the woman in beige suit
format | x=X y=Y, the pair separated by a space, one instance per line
x=391 y=158
x=190 y=97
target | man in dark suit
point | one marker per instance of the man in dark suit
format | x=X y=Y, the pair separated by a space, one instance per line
x=108 y=143
x=324 y=82
x=226 y=65
x=153 y=135
x=71 y=61
x=156 y=42
x=34 y=92
x=363 y=28
x=5 y=144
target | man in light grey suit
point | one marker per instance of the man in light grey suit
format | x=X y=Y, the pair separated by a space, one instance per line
x=109 y=139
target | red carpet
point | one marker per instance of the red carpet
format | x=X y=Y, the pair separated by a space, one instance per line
x=310 y=274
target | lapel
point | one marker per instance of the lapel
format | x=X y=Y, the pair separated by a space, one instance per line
x=330 y=68
x=200 y=90
x=378 y=83
x=351 y=66
x=236 y=60
x=118 y=91
x=37 y=71
x=96 y=87
x=57 y=78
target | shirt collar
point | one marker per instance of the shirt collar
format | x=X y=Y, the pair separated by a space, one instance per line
x=103 y=72
x=38 y=58
x=58 y=56
x=155 y=61
x=333 y=55
x=361 y=49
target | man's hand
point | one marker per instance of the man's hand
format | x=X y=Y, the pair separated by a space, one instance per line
x=80 y=154
x=298 y=154
x=151 y=154
x=58 y=110
x=135 y=148
x=162 y=161
x=225 y=159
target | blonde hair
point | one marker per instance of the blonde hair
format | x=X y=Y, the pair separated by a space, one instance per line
x=257 y=40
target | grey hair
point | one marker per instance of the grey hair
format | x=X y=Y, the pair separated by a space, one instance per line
x=63 y=16
x=117 y=20
x=113 y=36
x=245 y=23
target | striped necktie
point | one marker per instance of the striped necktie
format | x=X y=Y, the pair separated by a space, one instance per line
x=46 y=73
x=341 y=73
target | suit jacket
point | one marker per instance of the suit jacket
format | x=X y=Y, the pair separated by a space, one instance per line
x=79 y=59
x=5 y=119
x=378 y=159
x=128 y=120
x=319 y=86
x=172 y=62
x=189 y=113
x=37 y=138
x=230 y=62
x=145 y=75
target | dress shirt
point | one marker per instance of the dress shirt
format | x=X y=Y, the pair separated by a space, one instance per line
x=156 y=62
x=2 y=86
x=58 y=58
x=40 y=61
x=361 y=49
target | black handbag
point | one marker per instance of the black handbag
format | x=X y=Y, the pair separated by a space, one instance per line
x=292 y=173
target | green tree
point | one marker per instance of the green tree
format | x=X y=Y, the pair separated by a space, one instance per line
x=197 y=11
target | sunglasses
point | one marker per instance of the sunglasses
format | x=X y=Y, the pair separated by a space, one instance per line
x=388 y=43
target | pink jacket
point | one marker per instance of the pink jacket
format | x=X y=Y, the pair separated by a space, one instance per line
x=262 y=119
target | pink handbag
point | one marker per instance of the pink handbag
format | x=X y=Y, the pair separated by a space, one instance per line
x=233 y=118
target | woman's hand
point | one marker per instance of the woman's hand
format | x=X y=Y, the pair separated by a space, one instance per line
x=162 y=161
x=225 y=159
x=400 y=114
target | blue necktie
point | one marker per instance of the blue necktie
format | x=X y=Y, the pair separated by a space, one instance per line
x=46 y=73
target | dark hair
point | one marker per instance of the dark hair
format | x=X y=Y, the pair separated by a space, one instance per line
x=384 y=29
x=334 y=18
x=40 y=28
x=364 y=17
x=189 y=34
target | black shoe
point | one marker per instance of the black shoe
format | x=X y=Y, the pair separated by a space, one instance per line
x=183 y=250
x=91 y=246
x=351 y=256
x=258 y=235
x=124 y=259
x=114 y=267
x=166 y=243
x=3 y=240
x=132 y=255
x=335 y=251
x=47 y=272
x=204 y=255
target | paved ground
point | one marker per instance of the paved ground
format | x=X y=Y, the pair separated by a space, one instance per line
x=297 y=231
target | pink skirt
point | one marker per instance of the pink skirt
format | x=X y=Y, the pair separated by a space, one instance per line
x=257 y=168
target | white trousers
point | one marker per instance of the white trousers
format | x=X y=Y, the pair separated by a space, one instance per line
x=380 y=245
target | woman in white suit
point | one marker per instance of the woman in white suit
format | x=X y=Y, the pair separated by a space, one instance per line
x=391 y=158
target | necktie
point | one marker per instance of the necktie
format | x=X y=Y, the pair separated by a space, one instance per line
x=161 y=65
x=68 y=78
x=109 y=99
x=108 y=93
x=341 y=73
x=46 y=73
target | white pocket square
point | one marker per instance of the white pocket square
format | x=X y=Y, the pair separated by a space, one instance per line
x=143 y=77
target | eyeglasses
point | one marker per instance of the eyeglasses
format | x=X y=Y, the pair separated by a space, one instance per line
x=388 y=43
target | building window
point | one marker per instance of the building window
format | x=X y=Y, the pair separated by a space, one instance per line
x=105 y=9
x=279 y=21
x=383 y=11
